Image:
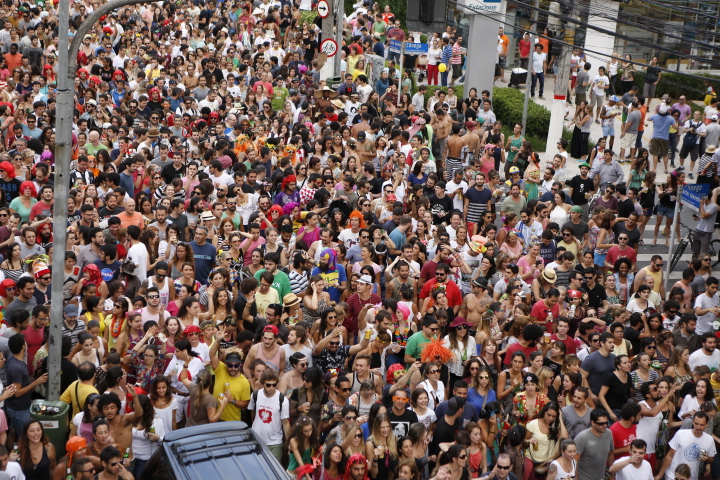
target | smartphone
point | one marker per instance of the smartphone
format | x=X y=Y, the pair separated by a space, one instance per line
x=538 y=262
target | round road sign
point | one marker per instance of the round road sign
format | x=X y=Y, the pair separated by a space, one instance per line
x=329 y=47
x=323 y=8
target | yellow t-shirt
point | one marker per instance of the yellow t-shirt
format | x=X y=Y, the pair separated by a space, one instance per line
x=239 y=388
x=77 y=403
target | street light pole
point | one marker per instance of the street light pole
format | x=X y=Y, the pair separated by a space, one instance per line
x=67 y=70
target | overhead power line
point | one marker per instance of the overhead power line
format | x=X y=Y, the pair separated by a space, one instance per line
x=566 y=18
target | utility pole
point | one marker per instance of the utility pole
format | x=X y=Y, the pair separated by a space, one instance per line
x=339 y=24
x=67 y=70
x=557 y=111
x=528 y=79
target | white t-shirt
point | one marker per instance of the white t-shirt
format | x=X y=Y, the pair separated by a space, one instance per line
x=175 y=367
x=349 y=238
x=538 y=60
x=268 y=417
x=14 y=471
x=630 y=472
x=687 y=450
x=598 y=82
x=139 y=255
x=700 y=358
x=647 y=429
x=458 y=203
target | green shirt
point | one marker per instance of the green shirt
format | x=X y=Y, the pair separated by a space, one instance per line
x=279 y=96
x=281 y=283
x=415 y=344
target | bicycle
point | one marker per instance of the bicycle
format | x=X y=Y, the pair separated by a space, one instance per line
x=713 y=248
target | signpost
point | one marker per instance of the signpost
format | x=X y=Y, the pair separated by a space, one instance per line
x=693 y=194
x=323 y=9
x=329 y=47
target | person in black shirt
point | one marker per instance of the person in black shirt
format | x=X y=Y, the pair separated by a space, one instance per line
x=400 y=417
x=440 y=204
x=597 y=298
x=652 y=77
x=581 y=189
x=629 y=227
x=448 y=425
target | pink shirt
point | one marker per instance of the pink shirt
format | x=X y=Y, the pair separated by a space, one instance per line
x=525 y=268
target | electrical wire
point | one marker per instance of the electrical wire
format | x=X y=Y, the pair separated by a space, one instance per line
x=566 y=18
x=599 y=54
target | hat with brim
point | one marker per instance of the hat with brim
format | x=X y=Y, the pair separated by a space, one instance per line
x=330 y=91
x=480 y=282
x=365 y=279
x=549 y=275
x=584 y=164
x=460 y=321
x=290 y=300
x=207 y=216
x=153 y=132
x=337 y=104
x=711 y=149
x=258 y=11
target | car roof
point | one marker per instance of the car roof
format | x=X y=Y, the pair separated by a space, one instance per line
x=218 y=451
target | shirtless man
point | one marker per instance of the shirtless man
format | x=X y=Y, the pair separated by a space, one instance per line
x=120 y=424
x=453 y=160
x=403 y=278
x=472 y=140
x=441 y=123
x=267 y=350
x=365 y=148
x=475 y=303
x=320 y=245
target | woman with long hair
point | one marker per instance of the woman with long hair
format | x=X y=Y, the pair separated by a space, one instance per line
x=187 y=278
x=581 y=132
x=640 y=300
x=164 y=402
x=12 y=267
x=605 y=238
x=132 y=333
x=543 y=439
x=646 y=197
x=617 y=388
x=182 y=255
x=381 y=449
x=147 y=431
x=203 y=406
x=702 y=393
x=333 y=465
x=480 y=391
x=510 y=381
x=678 y=368
x=667 y=193
x=532 y=177
x=565 y=465
x=432 y=384
x=638 y=171
x=310 y=397
x=303 y=444
x=37 y=454
x=453 y=464
x=189 y=313
x=315 y=300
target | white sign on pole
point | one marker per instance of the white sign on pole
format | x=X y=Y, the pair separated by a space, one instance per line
x=484 y=5
x=323 y=9
x=329 y=47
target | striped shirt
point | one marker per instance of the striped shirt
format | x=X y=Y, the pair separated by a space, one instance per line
x=446 y=54
x=456 y=57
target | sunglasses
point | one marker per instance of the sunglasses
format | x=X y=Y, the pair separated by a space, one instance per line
x=431 y=372
x=334 y=344
x=233 y=365
x=345 y=389
x=350 y=417
x=400 y=399
x=503 y=467
x=602 y=424
x=268 y=385
x=484 y=377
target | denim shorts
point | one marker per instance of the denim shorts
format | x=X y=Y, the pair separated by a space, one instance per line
x=664 y=211
x=608 y=131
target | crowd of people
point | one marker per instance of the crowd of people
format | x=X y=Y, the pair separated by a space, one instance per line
x=369 y=274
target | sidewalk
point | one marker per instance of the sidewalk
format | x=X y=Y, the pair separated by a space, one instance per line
x=595 y=130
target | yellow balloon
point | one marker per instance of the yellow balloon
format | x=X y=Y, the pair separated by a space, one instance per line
x=442 y=67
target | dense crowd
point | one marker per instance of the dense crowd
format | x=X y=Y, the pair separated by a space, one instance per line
x=370 y=274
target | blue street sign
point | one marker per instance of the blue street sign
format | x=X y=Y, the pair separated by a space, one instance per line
x=692 y=195
x=410 y=48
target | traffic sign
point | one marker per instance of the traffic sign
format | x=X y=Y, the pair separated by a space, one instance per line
x=410 y=48
x=323 y=9
x=693 y=194
x=329 y=47
x=485 y=6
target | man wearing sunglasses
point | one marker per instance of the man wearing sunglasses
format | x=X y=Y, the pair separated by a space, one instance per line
x=271 y=413
x=113 y=467
x=502 y=469
x=229 y=379
x=594 y=446
x=654 y=270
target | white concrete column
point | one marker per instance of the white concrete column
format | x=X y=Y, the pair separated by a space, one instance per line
x=598 y=41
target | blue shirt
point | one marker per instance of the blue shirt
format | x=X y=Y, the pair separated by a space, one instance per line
x=662 y=126
x=478 y=401
x=204 y=260
x=126 y=182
